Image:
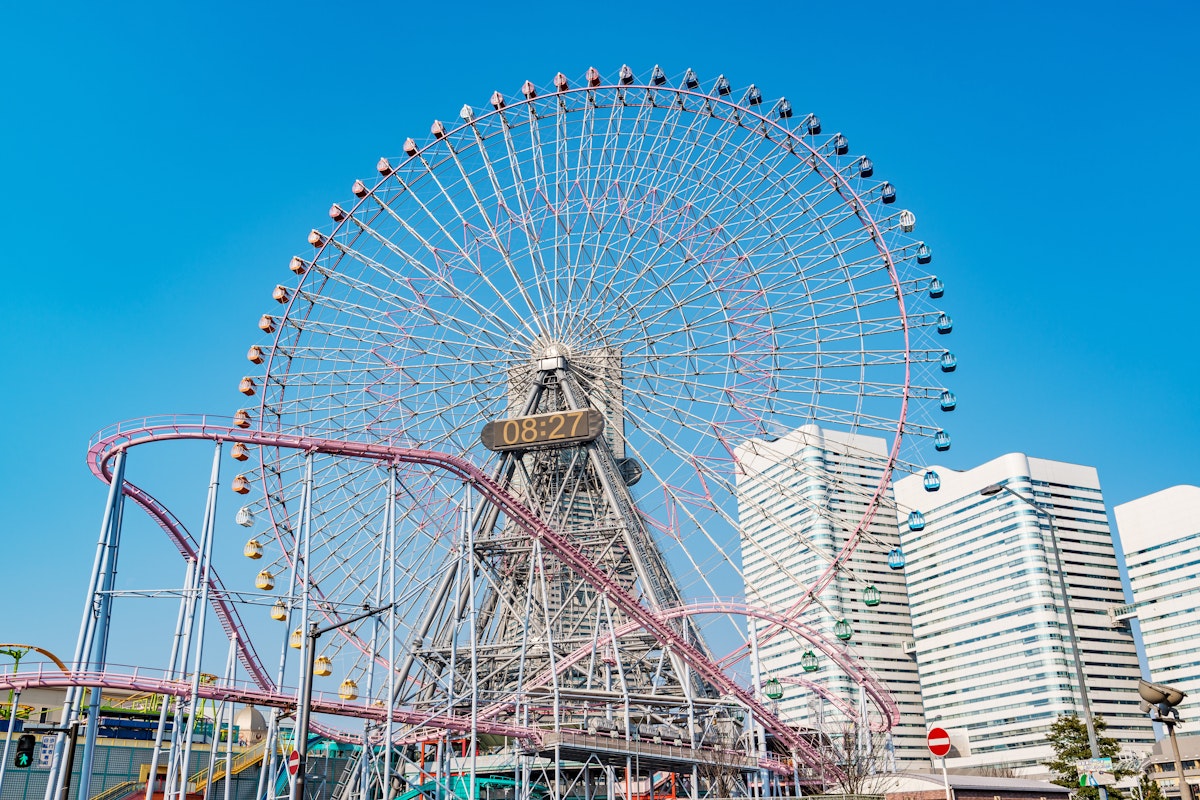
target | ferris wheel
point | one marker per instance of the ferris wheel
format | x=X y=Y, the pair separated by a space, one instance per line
x=601 y=293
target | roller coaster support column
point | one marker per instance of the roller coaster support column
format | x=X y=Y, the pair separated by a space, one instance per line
x=303 y=713
x=207 y=534
x=363 y=765
x=165 y=708
x=308 y=644
x=758 y=733
x=469 y=534
x=270 y=765
x=100 y=649
x=57 y=779
x=390 y=522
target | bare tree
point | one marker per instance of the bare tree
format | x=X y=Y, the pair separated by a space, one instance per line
x=864 y=758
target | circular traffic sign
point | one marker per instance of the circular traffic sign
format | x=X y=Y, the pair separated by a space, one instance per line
x=293 y=762
x=939 y=741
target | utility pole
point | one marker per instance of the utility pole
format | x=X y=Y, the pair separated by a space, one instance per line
x=302 y=714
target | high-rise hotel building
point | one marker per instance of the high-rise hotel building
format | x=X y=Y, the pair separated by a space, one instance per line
x=800 y=498
x=1160 y=535
x=992 y=643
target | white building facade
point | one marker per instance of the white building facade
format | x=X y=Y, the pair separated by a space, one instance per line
x=1160 y=536
x=800 y=498
x=993 y=646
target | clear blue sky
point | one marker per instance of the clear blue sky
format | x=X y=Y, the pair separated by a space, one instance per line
x=162 y=162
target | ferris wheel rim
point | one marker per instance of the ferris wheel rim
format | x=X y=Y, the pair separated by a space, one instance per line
x=830 y=174
x=330 y=254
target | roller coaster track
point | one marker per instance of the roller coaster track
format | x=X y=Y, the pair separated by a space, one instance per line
x=857 y=671
x=834 y=699
x=248 y=694
x=125 y=436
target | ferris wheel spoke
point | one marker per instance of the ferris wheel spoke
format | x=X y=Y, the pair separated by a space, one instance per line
x=675 y=239
x=484 y=215
x=617 y=179
x=499 y=191
x=668 y=283
x=690 y=506
x=560 y=206
x=797 y=501
x=636 y=242
x=525 y=217
x=453 y=245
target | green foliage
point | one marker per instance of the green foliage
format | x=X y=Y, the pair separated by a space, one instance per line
x=1148 y=789
x=1068 y=737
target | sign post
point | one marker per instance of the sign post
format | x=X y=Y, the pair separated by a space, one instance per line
x=1095 y=771
x=939 y=744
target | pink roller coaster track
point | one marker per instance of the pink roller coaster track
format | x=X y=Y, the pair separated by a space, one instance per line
x=855 y=669
x=128 y=435
x=150 y=681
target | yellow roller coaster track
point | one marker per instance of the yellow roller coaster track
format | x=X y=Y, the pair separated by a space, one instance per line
x=46 y=653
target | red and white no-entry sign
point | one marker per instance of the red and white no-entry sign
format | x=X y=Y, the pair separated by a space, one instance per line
x=939 y=741
x=293 y=762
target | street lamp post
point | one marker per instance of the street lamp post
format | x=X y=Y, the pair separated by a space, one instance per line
x=1160 y=700
x=1093 y=742
x=315 y=632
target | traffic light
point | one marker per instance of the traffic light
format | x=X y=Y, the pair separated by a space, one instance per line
x=25 y=747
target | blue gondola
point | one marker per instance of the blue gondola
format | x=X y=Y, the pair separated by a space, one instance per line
x=865 y=168
x=840 y=145
x=657 y=76
x=887 y=192
x=949 y=401
x=933 y=481
x=722 y=86
x=814 y=124
x=896 y=558
x=783 y=108
x=916 y=521
x=949 y=362
x=936 y=288
x=941 y=442
x=945 y=324
x=690 y=80
x=924 y=254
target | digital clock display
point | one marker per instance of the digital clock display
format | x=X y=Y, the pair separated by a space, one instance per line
x=543 y=430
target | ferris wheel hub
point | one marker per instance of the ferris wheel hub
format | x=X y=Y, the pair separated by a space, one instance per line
x=554 y=356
